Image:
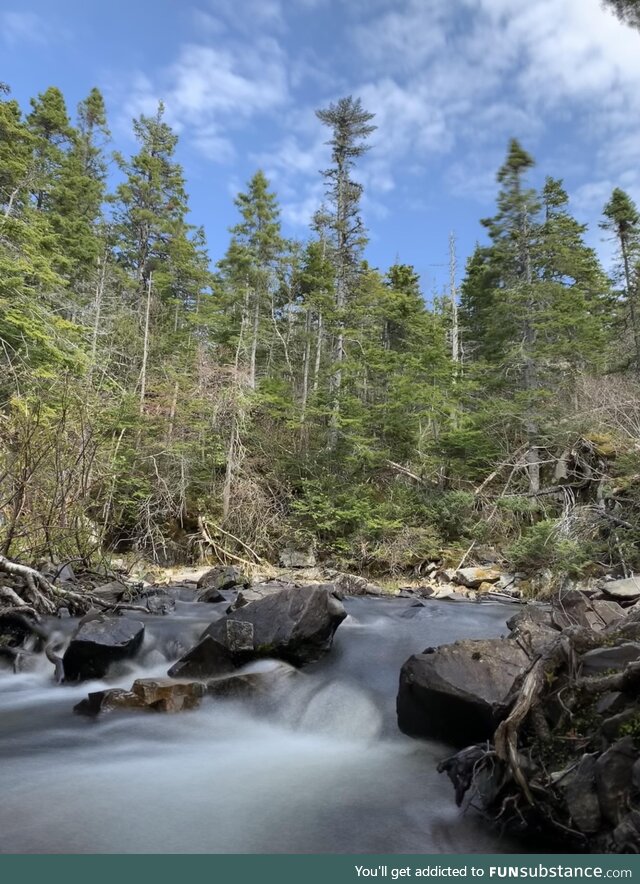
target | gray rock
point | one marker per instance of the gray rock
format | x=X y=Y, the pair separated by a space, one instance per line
x=112 y=592
x=603 y=659
x=627 y=590
x=455 y=693
x=612 y=727
x=614 y=779
x=222 y=578
x=98 y=643
x=290 y=557
x=295 y=624
x=573 y=608
x=258 y=591
x=578 y=788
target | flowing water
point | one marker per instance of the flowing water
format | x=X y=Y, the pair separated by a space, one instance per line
x=322 y=770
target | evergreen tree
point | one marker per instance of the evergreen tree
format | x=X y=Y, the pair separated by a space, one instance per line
x=623 y=220
x=350 y=126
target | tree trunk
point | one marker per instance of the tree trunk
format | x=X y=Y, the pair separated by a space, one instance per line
x=145 y=349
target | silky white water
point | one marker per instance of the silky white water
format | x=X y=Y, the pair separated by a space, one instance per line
x=319 y=768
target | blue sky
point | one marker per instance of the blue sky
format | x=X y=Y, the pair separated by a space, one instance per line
x=450 y=81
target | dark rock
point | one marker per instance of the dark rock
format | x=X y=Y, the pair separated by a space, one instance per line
x=291 y=557
x=614 y=779
x=578 y=788
x=206 y=660
x=456 y=692
x=295 y=624
x=213 y=596
x=98 y=643
x=611 y=703
x=626 y=835
x=611 y=727
x=602 y=659
x=223 y=578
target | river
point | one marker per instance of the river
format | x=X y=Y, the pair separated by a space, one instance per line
x=323 y=770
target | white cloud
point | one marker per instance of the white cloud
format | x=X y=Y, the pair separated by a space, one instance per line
x=24 y=27
x=209 y=91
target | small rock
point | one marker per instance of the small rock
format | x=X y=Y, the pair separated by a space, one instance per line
x=222 y=578
x=211 y=595
x=627 y=590
x=291 y=557
x=151 y=694
x=112 y=592
x=474 y=577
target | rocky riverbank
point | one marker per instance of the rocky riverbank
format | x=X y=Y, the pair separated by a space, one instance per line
x=552 y=715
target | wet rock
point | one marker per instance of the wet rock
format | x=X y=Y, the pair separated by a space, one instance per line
x=251 y=684
x=106 y=701
x=157 y=600
x=578 y=788
x=212 y=596
x=222 y=578
x=455 y=693
x=626 y=590
x=98 y=643
x=613 y=772
x=290 y=557
x=294 y=624
x=207 y=659
x=166 y=695
x=151 y=694
x=603 y=659
x=474 y=577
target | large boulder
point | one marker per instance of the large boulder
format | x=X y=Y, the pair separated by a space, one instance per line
x=258 y=591
x=457 y=692
x=295 y=624
x=207 y=659
x=98 y=643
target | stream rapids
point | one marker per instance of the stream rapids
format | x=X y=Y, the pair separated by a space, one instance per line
x=323 y=770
